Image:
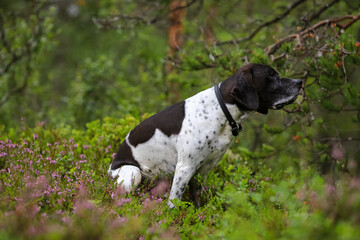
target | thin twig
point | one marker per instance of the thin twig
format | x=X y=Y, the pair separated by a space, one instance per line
x=321 y=10
x=265 y=24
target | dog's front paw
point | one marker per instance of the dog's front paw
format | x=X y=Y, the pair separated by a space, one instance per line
x=128 y=177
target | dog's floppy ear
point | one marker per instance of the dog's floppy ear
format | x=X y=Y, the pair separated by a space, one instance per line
x=262 y=109
x=244 y=91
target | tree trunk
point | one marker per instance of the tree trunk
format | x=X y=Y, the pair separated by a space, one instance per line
x=176 y=40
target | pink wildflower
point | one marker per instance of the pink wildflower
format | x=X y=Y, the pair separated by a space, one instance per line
x=122 y=219
x=107 y=149
x=122 y=201
x=201 y=217
x=158 y=224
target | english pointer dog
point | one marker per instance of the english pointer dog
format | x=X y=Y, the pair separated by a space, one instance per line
x=190 y=137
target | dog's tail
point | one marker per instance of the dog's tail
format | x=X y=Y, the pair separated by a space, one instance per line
x=128 y=176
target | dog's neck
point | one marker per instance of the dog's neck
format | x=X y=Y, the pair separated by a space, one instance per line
x=225 y=90
x=238 y=115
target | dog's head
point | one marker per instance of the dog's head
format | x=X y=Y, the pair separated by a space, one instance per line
x=259 y=87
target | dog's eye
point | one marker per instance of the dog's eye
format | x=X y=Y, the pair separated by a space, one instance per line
x=272 y=73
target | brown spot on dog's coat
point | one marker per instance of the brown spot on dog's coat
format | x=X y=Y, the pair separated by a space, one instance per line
x=168 y=121
x=123 y=157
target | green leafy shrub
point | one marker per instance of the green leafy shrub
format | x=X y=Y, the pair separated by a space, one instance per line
x=54 y=184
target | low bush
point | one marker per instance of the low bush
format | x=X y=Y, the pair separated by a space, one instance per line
x=54 y=185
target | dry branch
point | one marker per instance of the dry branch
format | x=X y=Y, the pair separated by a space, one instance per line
x=306 y=33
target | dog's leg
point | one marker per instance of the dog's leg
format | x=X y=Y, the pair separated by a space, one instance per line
x=182 y=176
x=128 y=177
x=195 y=191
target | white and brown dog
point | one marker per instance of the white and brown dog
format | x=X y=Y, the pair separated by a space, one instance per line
x=190 y=137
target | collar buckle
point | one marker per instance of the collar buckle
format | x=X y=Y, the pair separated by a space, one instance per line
x=236 y=128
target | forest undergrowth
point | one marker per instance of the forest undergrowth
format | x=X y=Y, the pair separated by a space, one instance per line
x=54 y=185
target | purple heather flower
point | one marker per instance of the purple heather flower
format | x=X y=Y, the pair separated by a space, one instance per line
x=42 y=123
x=122 y=201
x=201 y=217
x=122 y=219
x=158 y=224
x=107 y=149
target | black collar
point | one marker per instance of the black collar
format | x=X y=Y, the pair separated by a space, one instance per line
x=235 y=127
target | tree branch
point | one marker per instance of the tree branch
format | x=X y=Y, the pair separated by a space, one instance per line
x=306 y=33
x=17 y=90
x=107 y=23
x=25 y=52
x=265 y=24
x=188 y=4
x=321 y=10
